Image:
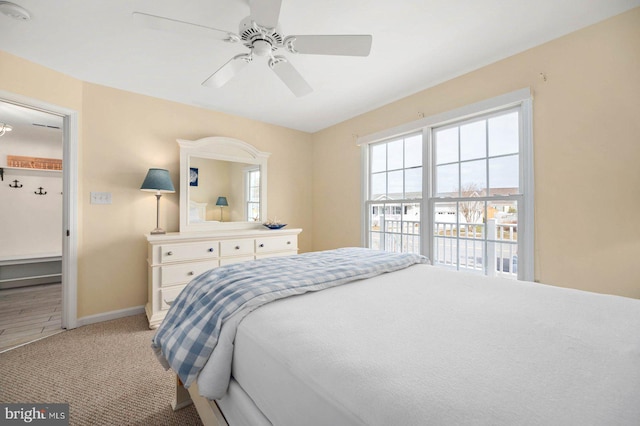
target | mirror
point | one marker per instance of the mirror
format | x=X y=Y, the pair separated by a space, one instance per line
x=223 y=185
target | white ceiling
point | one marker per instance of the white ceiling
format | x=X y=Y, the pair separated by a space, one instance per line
x=30 y=125
x=416 y=44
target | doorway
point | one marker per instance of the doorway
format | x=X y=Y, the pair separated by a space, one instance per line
x=46 y=117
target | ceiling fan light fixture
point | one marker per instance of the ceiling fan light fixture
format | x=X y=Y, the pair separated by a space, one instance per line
x=14 y=11
x=262 y=48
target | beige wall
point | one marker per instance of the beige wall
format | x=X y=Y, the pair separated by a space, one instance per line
x=125 y=134
x=586 y=153
x=122 y=135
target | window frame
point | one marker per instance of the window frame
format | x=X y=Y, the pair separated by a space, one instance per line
x=399 y=203
x=520 y=100
x=247 y=171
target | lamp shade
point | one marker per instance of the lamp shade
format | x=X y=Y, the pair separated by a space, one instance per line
x=222 y=201
x=157 y=180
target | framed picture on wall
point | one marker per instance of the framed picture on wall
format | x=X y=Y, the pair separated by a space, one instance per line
x=193 y=176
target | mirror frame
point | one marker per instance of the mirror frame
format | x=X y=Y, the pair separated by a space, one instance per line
x=226 y=149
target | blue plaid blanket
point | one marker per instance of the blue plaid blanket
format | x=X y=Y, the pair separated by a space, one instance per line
x=189 y=333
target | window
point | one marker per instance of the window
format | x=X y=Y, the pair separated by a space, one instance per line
x=477 y=194
x=394 y=200
x=252 y=194
x=470 y=207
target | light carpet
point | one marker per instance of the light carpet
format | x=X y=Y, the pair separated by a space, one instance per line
x=106 y=372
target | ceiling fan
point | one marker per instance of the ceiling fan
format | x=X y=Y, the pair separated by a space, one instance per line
x=261 y=34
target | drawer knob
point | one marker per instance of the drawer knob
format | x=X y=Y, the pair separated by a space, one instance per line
x=169 y=253
x=237 y=247
x=190 y=273
x=261 y=245
x=211 y=249
x=288 y=242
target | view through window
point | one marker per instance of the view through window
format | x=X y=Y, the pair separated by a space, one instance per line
x=395 y=194
x=464 y=207
x=477 y=193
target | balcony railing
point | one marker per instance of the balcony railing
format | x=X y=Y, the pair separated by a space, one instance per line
x=464 y=246
x=402 y=236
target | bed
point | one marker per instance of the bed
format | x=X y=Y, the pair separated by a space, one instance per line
x=400 y=343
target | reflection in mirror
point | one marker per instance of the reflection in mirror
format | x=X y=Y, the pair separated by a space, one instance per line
x=238 y=183
x=222 y=184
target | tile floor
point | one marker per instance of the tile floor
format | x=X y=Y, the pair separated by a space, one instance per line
x=29 y=313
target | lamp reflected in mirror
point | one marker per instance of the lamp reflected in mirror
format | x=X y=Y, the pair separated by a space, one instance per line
x=222 y=202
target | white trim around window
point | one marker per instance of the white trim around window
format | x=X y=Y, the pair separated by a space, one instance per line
x=520 y=99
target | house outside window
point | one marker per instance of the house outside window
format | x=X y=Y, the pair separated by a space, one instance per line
x=470 y=207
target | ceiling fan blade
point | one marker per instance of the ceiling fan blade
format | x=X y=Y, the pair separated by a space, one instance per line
x=347 y=45
x=172 y=25
x=290 y=76
x=265 y=12
x=227 y=71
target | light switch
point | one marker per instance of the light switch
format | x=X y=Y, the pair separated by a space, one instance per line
x=100 y=198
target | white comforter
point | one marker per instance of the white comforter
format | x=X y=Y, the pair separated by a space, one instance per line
x=199 y=329
x=427 y=346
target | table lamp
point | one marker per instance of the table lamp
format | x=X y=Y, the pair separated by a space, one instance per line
x=158 y=181
x=222 y=202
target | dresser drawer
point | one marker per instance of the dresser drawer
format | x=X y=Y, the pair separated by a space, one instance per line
x=168 y=295
x=237 y=247
x=281 y=243
x=190 y=251
x=183 y=273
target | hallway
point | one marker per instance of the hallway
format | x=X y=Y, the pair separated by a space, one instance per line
x=29 y=313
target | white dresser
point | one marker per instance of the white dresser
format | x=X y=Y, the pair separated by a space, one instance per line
x=176 y=258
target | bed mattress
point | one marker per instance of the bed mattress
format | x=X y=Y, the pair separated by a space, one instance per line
x=427 y=346
x=239 y=409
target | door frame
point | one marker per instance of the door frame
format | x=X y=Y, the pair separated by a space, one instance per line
x=69 y=200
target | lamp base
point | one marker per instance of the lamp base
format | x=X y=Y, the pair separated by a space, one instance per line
x=158 y=231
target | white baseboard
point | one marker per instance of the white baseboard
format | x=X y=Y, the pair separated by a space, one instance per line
x=107 y=316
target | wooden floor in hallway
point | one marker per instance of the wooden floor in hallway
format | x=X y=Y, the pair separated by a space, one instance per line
x=29 y=313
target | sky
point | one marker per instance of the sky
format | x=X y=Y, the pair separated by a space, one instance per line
x=477 y=154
